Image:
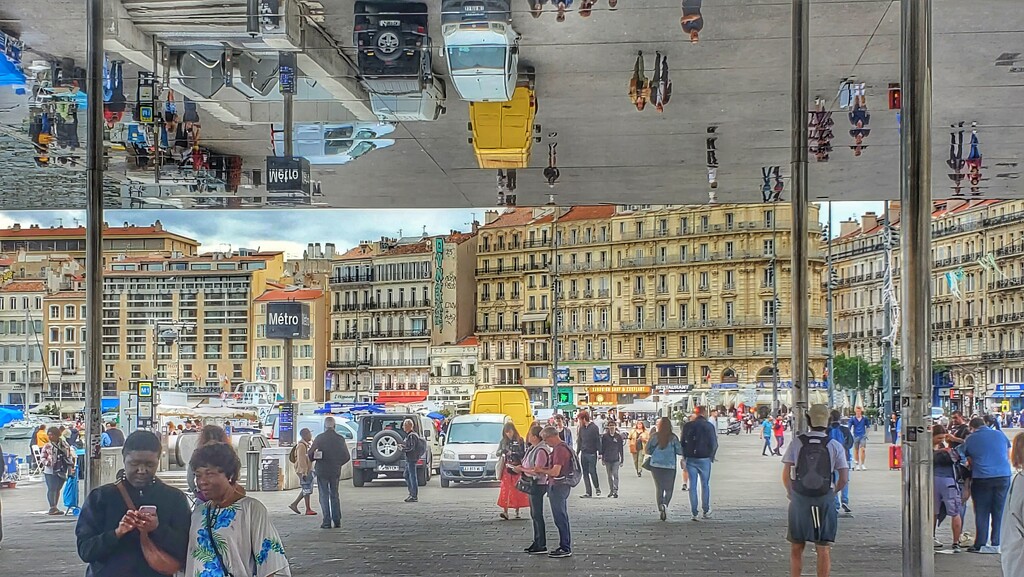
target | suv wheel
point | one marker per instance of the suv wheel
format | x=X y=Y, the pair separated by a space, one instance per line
x=389 y=44
x=386 y=447
x=445 y=483
x=358 y=478
x=423 y=476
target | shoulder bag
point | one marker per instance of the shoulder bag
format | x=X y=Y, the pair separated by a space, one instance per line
x=213 y=543
x=159 y=560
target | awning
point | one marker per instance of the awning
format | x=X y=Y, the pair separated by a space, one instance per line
x=389 y=397
x=1006 y=395
x=533 y=317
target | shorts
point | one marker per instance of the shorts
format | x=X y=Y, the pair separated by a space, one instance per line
x=306 y=484
x=860 y=442
x=947 y=495
x=813 y=519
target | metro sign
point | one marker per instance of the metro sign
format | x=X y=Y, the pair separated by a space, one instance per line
x=287 y=320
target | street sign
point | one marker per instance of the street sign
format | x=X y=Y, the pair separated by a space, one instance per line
x=144 y=408
x=287 y=320
x=286 y=424
x=287 y=72
x=145 y=95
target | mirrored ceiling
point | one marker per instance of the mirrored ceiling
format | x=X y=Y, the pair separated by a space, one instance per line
x=467 y=103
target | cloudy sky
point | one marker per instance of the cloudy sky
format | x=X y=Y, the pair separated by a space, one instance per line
x=291 y=230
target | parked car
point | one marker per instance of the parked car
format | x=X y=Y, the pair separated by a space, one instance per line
x=378 y=448
x=471 y=448
x=482 y=48
x=328 y=143
x=503 y=132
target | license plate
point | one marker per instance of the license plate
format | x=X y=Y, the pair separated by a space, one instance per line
x=473 y=8
x=473 y=469
x=387 y=467
x=395 y=23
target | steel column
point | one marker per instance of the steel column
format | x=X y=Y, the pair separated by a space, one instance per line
x=289 y=122
x=799 y=265
x=830 y=306
x=94 y=243
x=915 y=244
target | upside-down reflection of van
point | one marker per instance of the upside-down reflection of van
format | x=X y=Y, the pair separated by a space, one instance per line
x=503 y=132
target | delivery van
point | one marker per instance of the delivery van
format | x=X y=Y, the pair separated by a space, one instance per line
x=511 y=401
x=503 y=132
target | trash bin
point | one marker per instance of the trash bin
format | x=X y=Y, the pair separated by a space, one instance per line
x=252 y=470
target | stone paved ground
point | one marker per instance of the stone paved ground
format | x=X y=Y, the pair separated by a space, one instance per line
x=457 y=531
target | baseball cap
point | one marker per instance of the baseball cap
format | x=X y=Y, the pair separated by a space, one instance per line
x=818 y=416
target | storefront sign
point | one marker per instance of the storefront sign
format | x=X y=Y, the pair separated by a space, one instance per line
x=626 y=389
x=288 y=174
x=287 y=320
x=563 y=374
x=673 y=389
x=604 y=399
x=602 y=374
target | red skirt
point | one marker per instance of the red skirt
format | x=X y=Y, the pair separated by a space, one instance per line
x=510 y=497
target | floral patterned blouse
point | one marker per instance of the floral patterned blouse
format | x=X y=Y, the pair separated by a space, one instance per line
x=248 y=543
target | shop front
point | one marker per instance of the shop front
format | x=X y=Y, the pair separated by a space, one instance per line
x=614 y=395
x=1006 y=397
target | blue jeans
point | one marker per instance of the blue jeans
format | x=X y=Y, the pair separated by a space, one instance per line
x=699 y=468
x=989 y=496
x=589 y=463
x=845 y=500
x=540 y=538
x=559 y=497
x=330 y=501
x=411 y=481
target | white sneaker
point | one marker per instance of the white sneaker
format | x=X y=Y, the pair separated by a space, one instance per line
x=863 y=467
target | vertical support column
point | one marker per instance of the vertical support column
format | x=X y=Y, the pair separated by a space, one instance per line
x=94 y=244
x=289 y=122
x=915 y=242
x=555 y=288
x=888 y=405
x=289 y=364
x=829 y=305
x=799 y=264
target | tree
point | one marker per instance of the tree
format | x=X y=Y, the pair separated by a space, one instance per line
x=852 y=372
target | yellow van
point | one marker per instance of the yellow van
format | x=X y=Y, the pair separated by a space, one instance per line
x=503 y=131
x=511 y=401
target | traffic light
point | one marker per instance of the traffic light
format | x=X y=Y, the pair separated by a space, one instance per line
x=833 y=278
x=895 y=96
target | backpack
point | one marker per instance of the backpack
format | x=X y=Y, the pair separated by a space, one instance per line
x=62 y=465
x=574 y=473
x=813 y=467
x=843 y=435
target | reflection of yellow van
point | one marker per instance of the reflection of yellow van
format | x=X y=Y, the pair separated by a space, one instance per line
x=503 y=131
x=511 y=401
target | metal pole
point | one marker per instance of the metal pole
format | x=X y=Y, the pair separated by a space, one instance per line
x=831 y=308
x=915 y=241
x=554 y=310
x=289 y=122
x=799 y=264
x=887 y=401
x=94 y=244
x=158 y=127
x=289 y=362
x=775 y=316
x=28 y=356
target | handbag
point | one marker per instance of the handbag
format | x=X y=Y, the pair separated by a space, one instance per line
x=159 y=560
x=647 y=462
x=526 y=484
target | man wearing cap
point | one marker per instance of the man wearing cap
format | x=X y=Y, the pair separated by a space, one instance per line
x=810 y=464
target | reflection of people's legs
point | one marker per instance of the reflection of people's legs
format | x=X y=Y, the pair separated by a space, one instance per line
x=657 y=69
x=638 y=68
x=511 y=180
x=585 y=462
x=553 y=154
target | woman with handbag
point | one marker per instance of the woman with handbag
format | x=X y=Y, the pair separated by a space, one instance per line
x=58 y=461
x=662 y=450
x=637 y=443
x=511 y=451
x=534 y=484
x=231 y=534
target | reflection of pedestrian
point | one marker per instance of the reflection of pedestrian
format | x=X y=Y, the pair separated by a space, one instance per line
x=712 y=158
x=956 y=157
x=562 y=6
x=661 y=88
x=820 y=127
x=586 y=8
x=859 y=119
x=692 y=20
x=639 y=84
x=551 y=173
x=973 y=162
x=114 y=100
x=537 y=7
x=770 y=192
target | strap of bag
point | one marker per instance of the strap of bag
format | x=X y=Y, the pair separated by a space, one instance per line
x=213 y=542
x=124 y=495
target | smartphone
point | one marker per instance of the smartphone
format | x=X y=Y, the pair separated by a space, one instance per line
x=148 y=510
x=317 y=455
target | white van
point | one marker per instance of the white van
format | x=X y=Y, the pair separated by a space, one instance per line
x=482 y=48
x=470 y=450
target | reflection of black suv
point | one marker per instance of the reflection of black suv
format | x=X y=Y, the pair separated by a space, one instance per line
x=379 y=452
x=392 y=39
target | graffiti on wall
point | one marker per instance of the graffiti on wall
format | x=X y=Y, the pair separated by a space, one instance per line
x=439 y=282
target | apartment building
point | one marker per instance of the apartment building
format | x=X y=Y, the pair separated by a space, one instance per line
x=64 y=330
x=21 y=342
x=128 y=240
x=977 y=301
x=678 y=298
x=391 y=301
x=184 y=322
x=309 y=358
x=454 y=375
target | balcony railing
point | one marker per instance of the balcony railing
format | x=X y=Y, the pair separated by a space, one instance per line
x=402 y=363
x=535 y=357
x=453 y=380
x=398 y=333
x=350 y=364
x=496 y=328
x=352 y=278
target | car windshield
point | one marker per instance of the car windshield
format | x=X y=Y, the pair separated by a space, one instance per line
x=361 y=149
x=466 y=433
x=470 y=57
x=343 y=430
x=332 y=147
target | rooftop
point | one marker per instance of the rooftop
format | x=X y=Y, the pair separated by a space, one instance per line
x=290 y=295
x=24 y=286
x=127 y=230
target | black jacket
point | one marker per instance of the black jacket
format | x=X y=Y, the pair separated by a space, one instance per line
x=334 y=454
x=109 y=556
x=611 y=447
x=700 y=441
x=589 y=440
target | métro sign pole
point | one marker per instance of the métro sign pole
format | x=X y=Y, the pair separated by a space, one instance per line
x=287 y=320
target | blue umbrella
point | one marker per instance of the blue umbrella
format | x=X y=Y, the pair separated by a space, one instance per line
x=8 y=415
x=436 y=416
x=10 y=74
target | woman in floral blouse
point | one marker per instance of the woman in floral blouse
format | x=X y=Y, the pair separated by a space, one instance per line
x=231 y=534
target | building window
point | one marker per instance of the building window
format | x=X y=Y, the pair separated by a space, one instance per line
x=136 y=372
x=633 y=375
x=211 y=371
x=54 y=334
x=69 y=312
x=236 y=371
x=769 y=342
x=54 y=359
x=54 y=312
x=108 y=371
x=69 y=334
x=769 y=247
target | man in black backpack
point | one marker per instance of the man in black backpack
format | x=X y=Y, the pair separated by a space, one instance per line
x=841 y=433
x=700 y=445
x=809 y=465
x=414 y=447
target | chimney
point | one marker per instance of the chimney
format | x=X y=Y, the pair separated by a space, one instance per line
x=309 y=252
x=868 y=221
x=17 y=226
x=476 y=226
x=490 y=216
x=847 y=226
x=158 y=225
x=319 y=251
x=329 y=250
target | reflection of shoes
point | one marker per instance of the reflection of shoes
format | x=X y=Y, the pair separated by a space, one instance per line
x=690 y=18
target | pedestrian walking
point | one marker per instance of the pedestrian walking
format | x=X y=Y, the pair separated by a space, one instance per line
x=138 y=526
x=1012 y=548
x=231 y=533
x=329 y=453
x=692 y=21
x=766 y=433
x=700 y=446
x=588 y=445
x=948 y=499
x=638 y=438
x=859 y=427
x=661 y=86
x=639 y=84
x=299 y=456
x=564 y=432
x=511 y=452
x=112 y=437
x=841 y=434
x=811 y=463
x=612 y=445
x=414 y=447
x=663 y=450
x=779 y=431
x=987 y=451
x=551 y=173
x=538 y=456
x=563 y=474
x=58 y=462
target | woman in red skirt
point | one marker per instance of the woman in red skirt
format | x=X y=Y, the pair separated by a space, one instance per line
x=510 y=453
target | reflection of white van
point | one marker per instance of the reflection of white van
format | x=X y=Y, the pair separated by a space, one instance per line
x=482 y=48
x=328 y=143
x=470 y=450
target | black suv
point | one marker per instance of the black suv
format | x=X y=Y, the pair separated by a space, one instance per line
x=379 y=452
x=392 y=40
